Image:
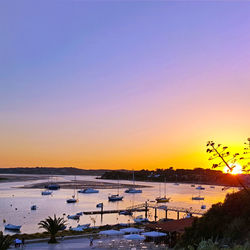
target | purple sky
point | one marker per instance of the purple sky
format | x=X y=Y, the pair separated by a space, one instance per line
x=126 y=84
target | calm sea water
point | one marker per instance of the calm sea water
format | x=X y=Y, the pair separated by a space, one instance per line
x=15 y=202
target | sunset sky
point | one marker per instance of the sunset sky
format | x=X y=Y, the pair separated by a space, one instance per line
x=122 y=84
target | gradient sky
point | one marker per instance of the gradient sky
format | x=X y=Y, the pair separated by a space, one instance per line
x=122 y=84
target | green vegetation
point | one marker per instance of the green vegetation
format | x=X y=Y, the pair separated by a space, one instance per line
x=227 y=223
x=52 y=226
x=5 y=241
x=211 y=245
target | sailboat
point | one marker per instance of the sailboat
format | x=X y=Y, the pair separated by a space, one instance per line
x=12 y=227
x=73 y=199
x=199 y=197
x=115 y=197
x=164 y=198
x=133 y=190
x=88 y=191
x=176 y=183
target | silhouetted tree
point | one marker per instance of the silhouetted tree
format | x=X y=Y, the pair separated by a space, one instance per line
x=228 y=222
x=52 y=226
x=226 y=158
x=5 y=241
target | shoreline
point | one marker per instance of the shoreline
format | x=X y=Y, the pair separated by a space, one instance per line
x=179 y=182
x=80 y=184
x=5 y=178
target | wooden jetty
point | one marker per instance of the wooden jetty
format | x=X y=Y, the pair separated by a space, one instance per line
x=178 y=210
x=115 y=211
x=144 y=207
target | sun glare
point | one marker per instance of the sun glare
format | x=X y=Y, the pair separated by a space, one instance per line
x=237 y=169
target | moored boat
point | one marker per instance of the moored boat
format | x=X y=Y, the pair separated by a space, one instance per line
x=198 y=198
x=99 y=205
x=74 y=217
x=80 y=227
x=162 y=199
x=33 y=207
x=88 y=191
x=46 y=192
x=53 y=186
x=140 y=219
x=200 y=188
x=115 y=197
x=74 y=198
x=12 y=227
x=126 y=212
x=71 y=200
x=133 y=191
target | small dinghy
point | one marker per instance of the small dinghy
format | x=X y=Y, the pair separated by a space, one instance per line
x=88 y=191
x=74 y=217
x=33 y=207
x=140 y=219
x=99 y=205
x=46 y=192
x=52 y=186
x=71 y=200
x=12 y=227
x=198 y=198
x=80 y=227
x=133 y=191
x=115 y=197
x=126 y=212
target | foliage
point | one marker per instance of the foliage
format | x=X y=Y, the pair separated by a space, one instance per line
x=226 y=158
x=211 y=245
x=228 y=221
x=52 y=226
x=5 y=241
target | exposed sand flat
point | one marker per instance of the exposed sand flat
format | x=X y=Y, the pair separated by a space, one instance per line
x=80 y=184
x=15 y=178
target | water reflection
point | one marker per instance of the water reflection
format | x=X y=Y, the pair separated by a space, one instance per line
x=15 y=203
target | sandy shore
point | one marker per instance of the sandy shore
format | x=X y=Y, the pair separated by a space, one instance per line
x=79 y=184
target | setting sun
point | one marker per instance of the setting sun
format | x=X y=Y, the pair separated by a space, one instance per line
x=237 y=169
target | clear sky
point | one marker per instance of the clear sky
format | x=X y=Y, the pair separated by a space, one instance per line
x=122 y=84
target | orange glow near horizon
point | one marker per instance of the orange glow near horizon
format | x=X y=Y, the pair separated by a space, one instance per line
x=237 y=169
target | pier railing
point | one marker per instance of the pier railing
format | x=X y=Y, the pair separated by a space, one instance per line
x=186 y=210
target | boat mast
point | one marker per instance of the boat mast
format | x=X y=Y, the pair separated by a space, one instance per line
x=165 y=186
x=118 y=184
x=74 y=187
x=134 y=178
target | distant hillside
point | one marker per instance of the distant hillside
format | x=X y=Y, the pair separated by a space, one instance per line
x=52 y=171
x=197 y=175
